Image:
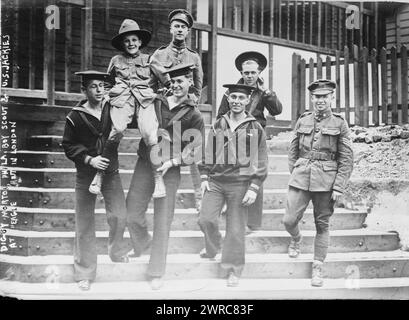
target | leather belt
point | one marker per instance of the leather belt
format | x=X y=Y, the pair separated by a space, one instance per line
x=315 y=155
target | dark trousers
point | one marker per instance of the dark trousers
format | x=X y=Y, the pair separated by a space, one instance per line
x=297 y=202
x=256 y=211
x=233 y=252
x=137 y=201
x=85 y=246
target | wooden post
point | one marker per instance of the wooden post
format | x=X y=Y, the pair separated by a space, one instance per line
x=270 y=64
x=199 y=44
x=295 y=88
x=246 y=15
x=68 y=47
x=384 y=86
x=338 y=81
x=319 y=67
x=262 y=17
x=253 y=16
x=376 y=25
x=212 y=71
x=106 y=18
x=280 y=28
x=302 y=87
x=189 y=7
x=340 y=29
x=311 y=77
x=86 y=61
x=311 y=6
x=357 y=92
x=364 y=116
x=288 y=18
x=404 y=82
x=49 y=63
x=328 y=68
x=361 y=22
x=394 y=87
x=375 y=88
x=319 y=23
x=295 y=20
x=346 y=79
x=31 y=52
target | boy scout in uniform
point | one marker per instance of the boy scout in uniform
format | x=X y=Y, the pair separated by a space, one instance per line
x=173 y=54
x=86 y=131
x=229 y=178
x=320 y=161
x=251 y=64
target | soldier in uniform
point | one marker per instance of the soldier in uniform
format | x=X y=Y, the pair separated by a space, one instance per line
x=171 y=55
x=320 y=161
x=86 y=131
x=251 y=64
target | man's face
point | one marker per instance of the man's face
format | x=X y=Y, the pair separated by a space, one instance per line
x=250 y=73
x=180 y=86
x=131 y=44
x=178 y=30
x=237 y=102
x=94 y=91
x=321 y=102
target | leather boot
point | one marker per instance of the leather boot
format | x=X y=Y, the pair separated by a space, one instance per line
x=316 y=280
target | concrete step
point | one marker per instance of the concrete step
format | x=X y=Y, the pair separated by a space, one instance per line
x=42 y=219
x=64 y=198
x=61 y=243
x=129 y=144
x=211 y=289
x=370 y=265
x=65 y=178
x=52 y=159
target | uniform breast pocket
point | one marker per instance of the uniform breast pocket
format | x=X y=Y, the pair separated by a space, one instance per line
x=143 y=72
x=330 y=138
x=304 y=134
x=122 y=71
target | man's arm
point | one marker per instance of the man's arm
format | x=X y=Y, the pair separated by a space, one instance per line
x=158 y=71
x=224 y=106
x=271 y=102
x=293 y=150
x=345 y=158
x=74 y=150
x=262 y=161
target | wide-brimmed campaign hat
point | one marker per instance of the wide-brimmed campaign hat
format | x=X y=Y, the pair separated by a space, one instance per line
x=251 y=55
x=130 y=26
x=181 y=15
x=322 y=86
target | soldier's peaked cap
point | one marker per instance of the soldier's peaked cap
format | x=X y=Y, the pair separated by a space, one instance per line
x=88 y=75
x=180 y=70
x=322 y=86
x=130 y=26
x=181 y=15
x=251 y=55
x=237 y=87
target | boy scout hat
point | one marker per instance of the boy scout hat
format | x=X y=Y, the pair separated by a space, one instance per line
x=322 y=86
x=180 y=70
x=130 y=26
x=251 y=55
x=237 y=87
x=181 y=15
x=89 y=75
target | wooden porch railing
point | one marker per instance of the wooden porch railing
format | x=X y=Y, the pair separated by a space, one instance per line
x=372 y=90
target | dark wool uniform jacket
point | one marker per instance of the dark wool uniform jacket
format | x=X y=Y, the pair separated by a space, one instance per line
x=79 y=141
x=169 y=56
x=192 y=120
x=320 y=153
x=224 y=159
x=258 y=101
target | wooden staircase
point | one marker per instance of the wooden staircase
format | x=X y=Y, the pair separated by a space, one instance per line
x=361 y=263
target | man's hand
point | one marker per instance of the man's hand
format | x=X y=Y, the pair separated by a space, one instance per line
x=99 y=163
x=249 y=198
x=204 y=186
x=336 y=195
x=165 y=166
